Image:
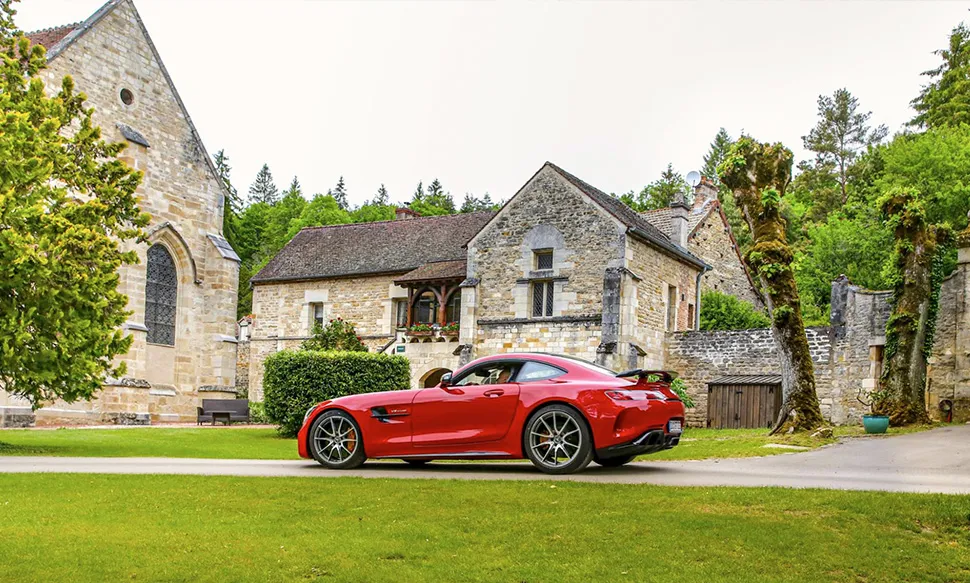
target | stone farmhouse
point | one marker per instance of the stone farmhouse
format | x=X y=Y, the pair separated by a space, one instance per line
x=182 y=294
x=561 y=267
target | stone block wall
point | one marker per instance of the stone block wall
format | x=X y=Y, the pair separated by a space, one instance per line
x=711 y=241
x=701 y=356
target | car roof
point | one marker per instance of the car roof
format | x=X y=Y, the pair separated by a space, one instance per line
x=547 y=357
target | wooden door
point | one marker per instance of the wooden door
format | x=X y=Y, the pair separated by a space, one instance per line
x=740 y=406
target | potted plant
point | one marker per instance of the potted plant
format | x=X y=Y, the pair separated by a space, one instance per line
x=420 y=330
x=873 y=423
x=450 y=329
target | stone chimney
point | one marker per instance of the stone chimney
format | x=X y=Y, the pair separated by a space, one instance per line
x=679 y=225
x=704 y=191
x=401 y=213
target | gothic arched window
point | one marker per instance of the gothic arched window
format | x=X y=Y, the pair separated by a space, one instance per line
x=161 y=294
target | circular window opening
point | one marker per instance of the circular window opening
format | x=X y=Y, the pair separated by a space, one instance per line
x=127 y=97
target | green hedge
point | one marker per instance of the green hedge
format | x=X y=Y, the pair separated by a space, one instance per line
x=296 y=380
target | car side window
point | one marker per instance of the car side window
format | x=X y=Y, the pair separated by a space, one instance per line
x=537 y=371
x=487 y=374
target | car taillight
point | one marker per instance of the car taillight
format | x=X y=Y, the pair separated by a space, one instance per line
x=624 y=395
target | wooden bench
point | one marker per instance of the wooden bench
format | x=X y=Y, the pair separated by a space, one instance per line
x=226 y=410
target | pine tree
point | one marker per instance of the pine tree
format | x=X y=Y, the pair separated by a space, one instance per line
x=719 y=147
x=263 y=189
x=339 y=193
x=841 y=133
x=295 y=188
x=381 y=198
x=661 y=193
x=945 y=100
x=418 y=192
x=233 y=204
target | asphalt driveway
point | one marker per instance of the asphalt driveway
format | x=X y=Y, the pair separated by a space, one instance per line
x=931 y=461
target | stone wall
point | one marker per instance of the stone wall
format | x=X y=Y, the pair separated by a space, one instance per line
x=242 y=368
x=711 y=240
x=284 y=315
x=949 y=363
x=652 y=272
x=185 y=201
x=701 y=356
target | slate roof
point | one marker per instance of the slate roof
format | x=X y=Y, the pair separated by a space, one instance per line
x=660 y=218
x=639 y=226
x=436 y=271
x=397 y=246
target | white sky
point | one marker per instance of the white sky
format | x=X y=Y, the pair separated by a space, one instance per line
x=480 y=94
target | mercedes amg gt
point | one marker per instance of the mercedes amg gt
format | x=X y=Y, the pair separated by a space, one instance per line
x=559 y=412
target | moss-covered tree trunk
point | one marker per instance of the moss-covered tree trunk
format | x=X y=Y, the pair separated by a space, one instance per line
x=757 y=175
x=917 y=262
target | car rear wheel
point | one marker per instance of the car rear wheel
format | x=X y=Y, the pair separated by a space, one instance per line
x=557 y=440
x=335 y=441
x=615 y=462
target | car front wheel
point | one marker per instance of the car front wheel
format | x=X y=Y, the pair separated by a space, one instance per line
x=335 y=441
x=557 y=440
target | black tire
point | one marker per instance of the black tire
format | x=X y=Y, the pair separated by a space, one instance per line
x=615 y=462
x=345 y=455
x=416 y=463
x=573 y=440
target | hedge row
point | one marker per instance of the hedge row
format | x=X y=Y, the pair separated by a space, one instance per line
x=296 y=380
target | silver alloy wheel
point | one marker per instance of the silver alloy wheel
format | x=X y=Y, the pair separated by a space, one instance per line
x=555 y=439
x=335 y=439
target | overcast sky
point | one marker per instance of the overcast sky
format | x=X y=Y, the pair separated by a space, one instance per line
x=480 y=94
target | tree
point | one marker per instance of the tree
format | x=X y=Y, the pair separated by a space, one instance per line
x=382 y=198
x=720 y=311
x=68 y=208
x=434 y=201
x=659 y=193
x=263 y=189
x=945 y=100
x=339 y=194
x=841 y=133
x=917 y=269
x=715 y=154
x=277 y=232
x=472 y=204
x=337 y=335
x=322 y=210
x=233 y=204
x=757 y=174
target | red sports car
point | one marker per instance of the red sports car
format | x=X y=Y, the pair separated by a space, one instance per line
x=558 y=411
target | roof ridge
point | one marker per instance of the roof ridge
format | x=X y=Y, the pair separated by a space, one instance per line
x=53 y=28
x=419 y=218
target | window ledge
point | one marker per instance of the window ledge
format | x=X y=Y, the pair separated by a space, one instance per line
x=541 y=276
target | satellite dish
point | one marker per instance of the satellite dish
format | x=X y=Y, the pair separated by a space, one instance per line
x=693 y=178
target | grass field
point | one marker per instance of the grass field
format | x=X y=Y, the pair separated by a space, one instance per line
x=80 y=528
x=262 y=443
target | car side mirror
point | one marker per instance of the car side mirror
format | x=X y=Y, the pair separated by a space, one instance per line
x=445 y=380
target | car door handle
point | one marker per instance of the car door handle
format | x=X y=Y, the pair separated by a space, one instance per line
x=494 y=393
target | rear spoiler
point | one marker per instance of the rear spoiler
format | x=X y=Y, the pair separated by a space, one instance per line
x=662 y=375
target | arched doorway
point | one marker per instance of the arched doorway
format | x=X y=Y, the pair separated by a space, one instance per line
x=433 y=377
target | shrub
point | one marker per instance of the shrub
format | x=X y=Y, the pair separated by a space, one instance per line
x=296 y=380
x=337 y=335
x=257 y=413
x=723 y=312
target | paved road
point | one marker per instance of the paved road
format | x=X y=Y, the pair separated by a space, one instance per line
x=931 y=461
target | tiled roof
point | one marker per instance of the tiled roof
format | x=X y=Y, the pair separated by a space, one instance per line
x=660 y=218
x=436 y=271
x=638 y=224
x=51 y=36
x=397 y=246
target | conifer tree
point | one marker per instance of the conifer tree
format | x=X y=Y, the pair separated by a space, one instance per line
x=339 y=194
x=263 y=189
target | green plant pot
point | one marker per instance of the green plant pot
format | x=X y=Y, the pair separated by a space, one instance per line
x=875 y=423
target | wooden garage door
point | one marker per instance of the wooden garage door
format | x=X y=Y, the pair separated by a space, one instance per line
x=744 y=401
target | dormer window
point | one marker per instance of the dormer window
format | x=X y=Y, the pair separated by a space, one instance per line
x=543 y=259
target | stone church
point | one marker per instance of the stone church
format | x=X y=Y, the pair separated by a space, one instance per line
x=182 y=294
x=561 y=267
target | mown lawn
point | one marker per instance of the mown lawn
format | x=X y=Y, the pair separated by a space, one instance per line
x=79 y=528
x=262 y=443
